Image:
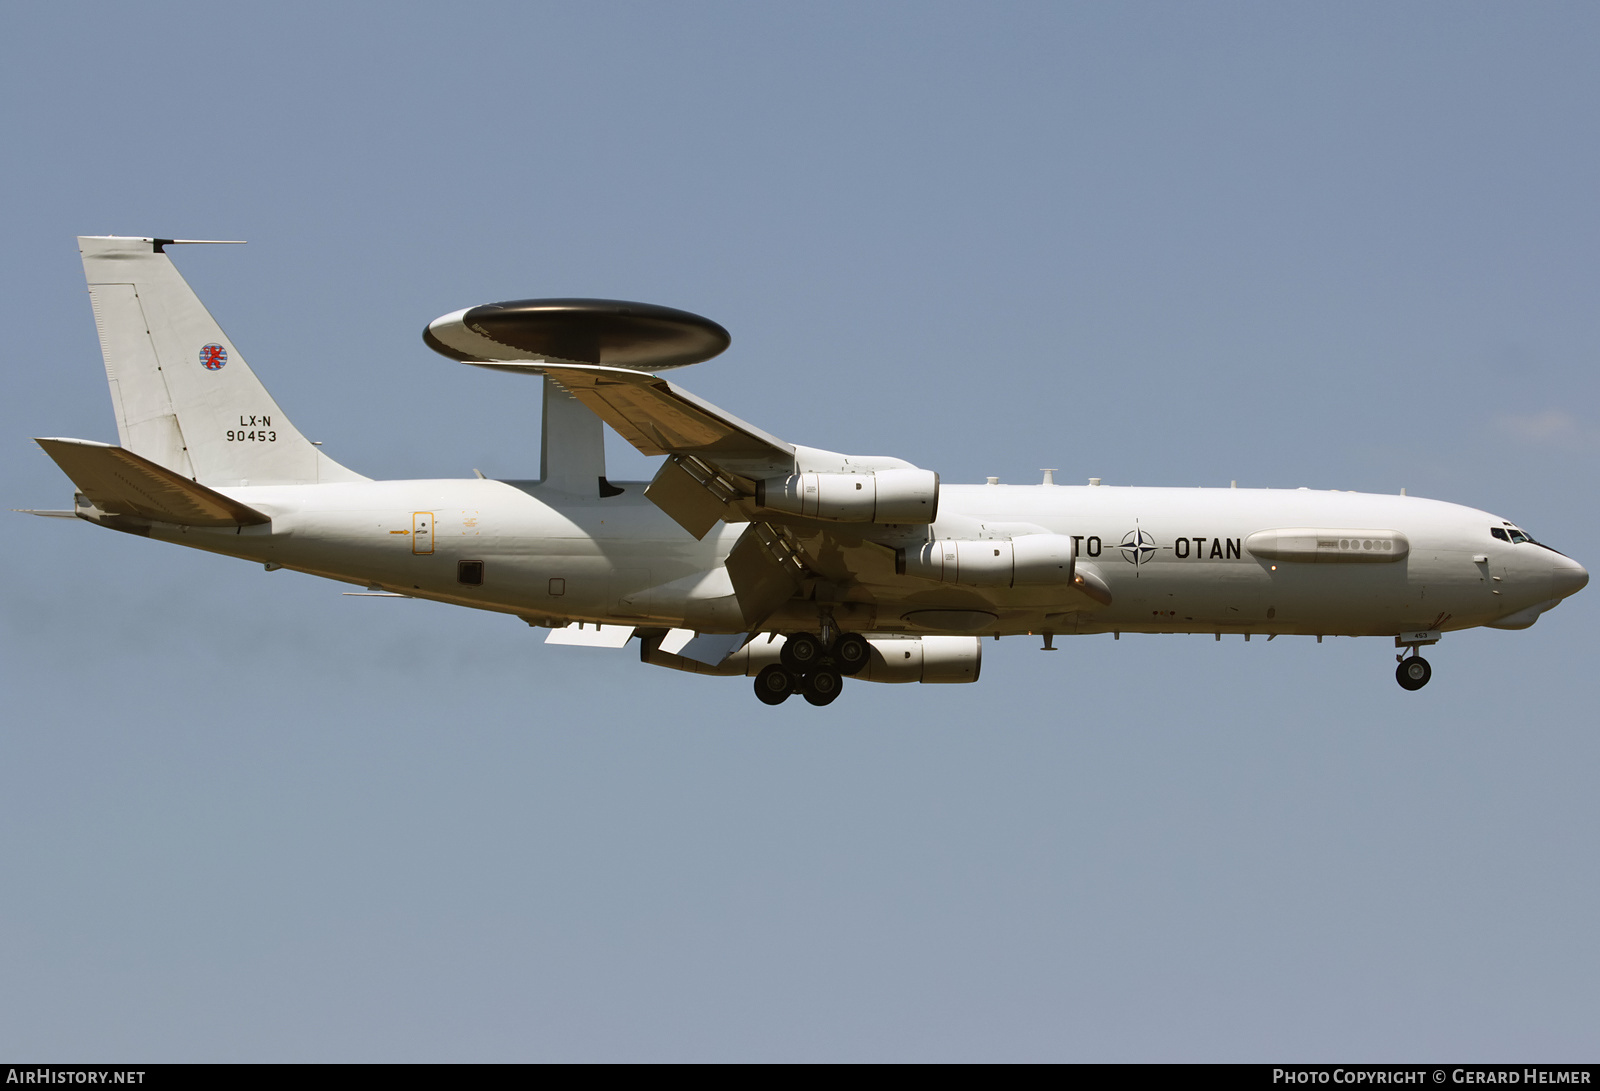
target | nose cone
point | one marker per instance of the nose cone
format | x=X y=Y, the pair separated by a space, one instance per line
x=1568 y=577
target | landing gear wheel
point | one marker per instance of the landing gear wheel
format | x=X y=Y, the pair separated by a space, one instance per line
x=801 y=652
x=822 y=686
x=851 y=652
x=1413 y=673
x=774 y=684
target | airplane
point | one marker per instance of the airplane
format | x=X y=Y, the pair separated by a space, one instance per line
x=747 y=555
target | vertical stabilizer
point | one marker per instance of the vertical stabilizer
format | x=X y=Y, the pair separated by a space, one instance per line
x=183 y=396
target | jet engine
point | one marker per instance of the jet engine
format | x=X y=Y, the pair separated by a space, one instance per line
x=882 y=496
x=1032 y=560
x=930 y=659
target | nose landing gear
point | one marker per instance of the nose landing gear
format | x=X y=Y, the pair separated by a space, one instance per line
x=1413 y=673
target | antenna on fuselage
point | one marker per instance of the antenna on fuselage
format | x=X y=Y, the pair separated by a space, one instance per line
x=611 y=332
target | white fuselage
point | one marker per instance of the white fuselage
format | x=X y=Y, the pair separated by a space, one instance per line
x=834 y=559
x=1173 y=559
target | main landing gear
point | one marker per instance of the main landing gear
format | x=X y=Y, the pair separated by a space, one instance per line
x=811 y=668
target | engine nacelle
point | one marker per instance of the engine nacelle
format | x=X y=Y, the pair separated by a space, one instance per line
x=1033 y=560
x=932 y=659
x=883 y=496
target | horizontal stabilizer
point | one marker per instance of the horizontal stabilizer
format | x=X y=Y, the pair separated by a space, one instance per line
x=120 y=482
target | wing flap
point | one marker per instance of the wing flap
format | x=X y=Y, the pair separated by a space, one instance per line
x=693 y=494
x=591 y=635
x=676 y=492
x=765 y=572
x=120 y=482
x=712 y=648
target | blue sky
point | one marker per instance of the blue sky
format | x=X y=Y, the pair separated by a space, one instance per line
x=1349 y=246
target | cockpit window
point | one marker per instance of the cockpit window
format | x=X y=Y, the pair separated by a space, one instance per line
x=1508 y=532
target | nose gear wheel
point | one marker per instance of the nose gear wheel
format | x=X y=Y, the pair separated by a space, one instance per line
x=1413 y=673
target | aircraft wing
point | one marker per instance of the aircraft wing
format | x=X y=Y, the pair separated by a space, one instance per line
x=659 y=418
x=716 y=465
x=714 y=458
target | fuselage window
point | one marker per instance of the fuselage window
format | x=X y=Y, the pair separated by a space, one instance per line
x=469 y=572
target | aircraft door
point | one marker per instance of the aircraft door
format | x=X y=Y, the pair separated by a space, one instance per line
x=422 y=532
